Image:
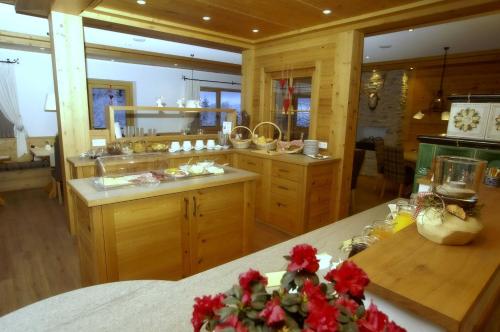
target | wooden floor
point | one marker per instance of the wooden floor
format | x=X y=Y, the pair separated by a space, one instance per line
x=368 y=194
x=38 y=257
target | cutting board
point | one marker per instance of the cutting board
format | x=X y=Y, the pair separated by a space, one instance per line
x=453 y=286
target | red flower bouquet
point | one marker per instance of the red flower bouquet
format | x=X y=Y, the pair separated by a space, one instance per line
x=302 y=303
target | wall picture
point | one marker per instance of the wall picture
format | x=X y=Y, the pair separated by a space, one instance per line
x=493 y=127
x=468 y=120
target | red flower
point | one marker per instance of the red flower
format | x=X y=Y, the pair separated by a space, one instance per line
x=350 y=305
x=205 y=308
x=273 y=313
x=322 y=318
x=303 y=257
x=231 y=321
x=313 y=294
x=377 y=321
x=250 y=277
x=348 y=279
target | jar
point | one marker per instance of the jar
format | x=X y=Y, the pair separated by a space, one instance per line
x=139 y=147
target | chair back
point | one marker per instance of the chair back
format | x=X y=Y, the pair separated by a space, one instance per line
x=359 y=157
x=394 y=164
x=379 y=154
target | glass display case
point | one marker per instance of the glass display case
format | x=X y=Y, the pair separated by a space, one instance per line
x=146 y=169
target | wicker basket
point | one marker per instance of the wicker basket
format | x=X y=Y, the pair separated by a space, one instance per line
x=266 y=146
x=240 y=143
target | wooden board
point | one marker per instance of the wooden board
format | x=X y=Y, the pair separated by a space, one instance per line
x=445 y=284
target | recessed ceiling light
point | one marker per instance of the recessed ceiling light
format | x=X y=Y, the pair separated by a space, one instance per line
x=141 y=2
x=255 y=30
x=374 y=70
x=206 y=18
x=139 y=40
x=367 y=57
x=411 y=68
x=410 y=30
x=175 y=64
x=327 y=11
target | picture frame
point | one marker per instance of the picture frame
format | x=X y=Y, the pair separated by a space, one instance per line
x=468 y=120
x=493 y=127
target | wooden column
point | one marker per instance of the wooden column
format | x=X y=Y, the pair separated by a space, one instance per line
x=70 y=84
x=247 y=82
x=345 y=100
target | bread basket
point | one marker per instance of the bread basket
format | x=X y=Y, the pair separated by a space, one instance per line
x=268 y=143
x=240 y=143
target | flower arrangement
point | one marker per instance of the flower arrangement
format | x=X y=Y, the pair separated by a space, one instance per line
x=302 y=303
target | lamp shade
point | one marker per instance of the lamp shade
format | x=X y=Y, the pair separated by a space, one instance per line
x=445 y=116
x=50 y=103
x=419 y=115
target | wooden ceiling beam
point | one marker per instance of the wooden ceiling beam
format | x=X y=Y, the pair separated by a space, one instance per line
x=42 y=8
x=94 y=51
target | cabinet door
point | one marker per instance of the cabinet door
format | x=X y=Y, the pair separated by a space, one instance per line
x=145 y=238
x=216 y=231
x=257 y=165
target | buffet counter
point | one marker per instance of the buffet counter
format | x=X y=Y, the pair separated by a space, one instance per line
x=162 y=231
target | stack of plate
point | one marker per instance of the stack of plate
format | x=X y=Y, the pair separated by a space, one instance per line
x=311 y=147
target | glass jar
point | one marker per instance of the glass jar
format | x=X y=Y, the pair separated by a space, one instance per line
x=457 y=179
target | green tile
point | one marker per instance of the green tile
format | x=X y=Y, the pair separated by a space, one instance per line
x=488 y=155
x=454 y=151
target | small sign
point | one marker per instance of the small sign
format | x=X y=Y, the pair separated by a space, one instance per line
x=227 y=126
x=98 y=142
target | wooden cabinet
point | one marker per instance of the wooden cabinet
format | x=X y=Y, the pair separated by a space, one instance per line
x=166 y=237
x=291 y=197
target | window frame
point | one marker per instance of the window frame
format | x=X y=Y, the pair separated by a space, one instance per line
x=218 y=97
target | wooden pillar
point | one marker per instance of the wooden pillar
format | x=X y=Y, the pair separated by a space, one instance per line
x=247 y=82
x=347 y=79
x=70 y=84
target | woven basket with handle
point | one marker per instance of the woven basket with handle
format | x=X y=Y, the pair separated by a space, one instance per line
x=268 y=145
x=240 y=143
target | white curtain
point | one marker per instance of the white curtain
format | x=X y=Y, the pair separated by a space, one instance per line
x=10 y=107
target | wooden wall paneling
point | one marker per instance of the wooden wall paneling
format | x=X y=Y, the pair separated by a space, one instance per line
x=313 y=114
x=248 y=215
x=70 y=81
x=347 y=77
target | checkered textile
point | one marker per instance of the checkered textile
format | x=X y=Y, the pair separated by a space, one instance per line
x=394 y=164
x=379 y=153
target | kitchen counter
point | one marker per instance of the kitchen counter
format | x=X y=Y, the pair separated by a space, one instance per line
x=85 y=189
x=167 y=306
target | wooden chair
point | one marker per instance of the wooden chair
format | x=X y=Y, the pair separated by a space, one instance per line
x=395 y=169
x=379 y=156
x=56 y=183
x=359 y=157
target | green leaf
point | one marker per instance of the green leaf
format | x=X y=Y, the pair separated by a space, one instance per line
x=360 y=311
x=260 y=297
x=238 y=291
x=293 y=308
x=231 y=300
x=287 y=280
x=258 y=305
x=226 y=312
x=252 y=314
x=343 y=318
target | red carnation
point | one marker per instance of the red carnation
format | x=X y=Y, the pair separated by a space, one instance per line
x=377 y=321
x=303 y=257
x=313 y=294
x=350 y=305
x=348 y=279
x=322 y=318
x=273 y=313
x=249 y=278
x=231 y=321
x=205 y=308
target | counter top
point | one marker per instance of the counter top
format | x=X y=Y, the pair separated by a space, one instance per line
x=167 y=306
x=459 y=142
x=298 y=159
x=86 y=190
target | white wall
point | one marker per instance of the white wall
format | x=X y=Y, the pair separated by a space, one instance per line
x=35 y=81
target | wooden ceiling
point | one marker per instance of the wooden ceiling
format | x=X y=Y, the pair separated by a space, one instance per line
x=239 y=17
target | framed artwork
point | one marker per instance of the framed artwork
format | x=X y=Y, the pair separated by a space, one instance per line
x=493 y=127
x=468 y=120
x=108 y=92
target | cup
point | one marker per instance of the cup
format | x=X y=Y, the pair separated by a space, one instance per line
x=210 y=144
x=175 y=146
x=199 y=144
x=186 y=146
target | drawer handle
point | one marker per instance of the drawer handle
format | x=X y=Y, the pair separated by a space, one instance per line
x=281 y=204
x=251 y=163
x=283 y=170
x=186 y=205
x=282 y=187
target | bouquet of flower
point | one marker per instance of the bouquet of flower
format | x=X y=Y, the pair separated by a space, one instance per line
x=302 y=303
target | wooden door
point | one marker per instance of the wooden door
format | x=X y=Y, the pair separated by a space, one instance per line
x=216 y=227
x=146 y=238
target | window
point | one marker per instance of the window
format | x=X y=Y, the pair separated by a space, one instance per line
x=218 y=98
x=106 y=92
x=293 y=125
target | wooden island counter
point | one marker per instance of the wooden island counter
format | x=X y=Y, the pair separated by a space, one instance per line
x=168 y=231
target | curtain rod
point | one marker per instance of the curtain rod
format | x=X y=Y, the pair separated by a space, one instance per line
x=16 y=61
x=196 y=79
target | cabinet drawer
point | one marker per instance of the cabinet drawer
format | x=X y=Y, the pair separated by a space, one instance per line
x=283 y=213
x=251 y=164
x=287 y=171
x=284 y=187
